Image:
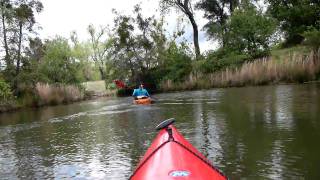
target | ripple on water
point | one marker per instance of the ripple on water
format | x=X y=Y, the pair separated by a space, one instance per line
x=9 y=130
x=106 y=110
x=99 y=113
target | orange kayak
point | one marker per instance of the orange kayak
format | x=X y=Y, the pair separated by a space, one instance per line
x=142 y=101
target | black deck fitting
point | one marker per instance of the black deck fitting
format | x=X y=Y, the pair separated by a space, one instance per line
x=165 y=123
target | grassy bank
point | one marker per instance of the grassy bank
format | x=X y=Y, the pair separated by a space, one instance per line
x=294 y=65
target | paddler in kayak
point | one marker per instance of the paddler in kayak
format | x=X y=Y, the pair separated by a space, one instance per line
x=140 y=93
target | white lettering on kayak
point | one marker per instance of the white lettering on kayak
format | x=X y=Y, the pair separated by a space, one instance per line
x=180 y=173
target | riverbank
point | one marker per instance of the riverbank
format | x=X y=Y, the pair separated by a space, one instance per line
x=293 y=65
x=50 y=95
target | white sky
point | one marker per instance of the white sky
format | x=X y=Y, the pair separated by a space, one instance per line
x=61 y=17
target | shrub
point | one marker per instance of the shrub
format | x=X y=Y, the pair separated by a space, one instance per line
x=177 y=63
x=312 y=38
x=219 y=60
x=5 y=91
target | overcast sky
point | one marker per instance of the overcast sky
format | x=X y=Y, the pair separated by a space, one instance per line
x=60 y=17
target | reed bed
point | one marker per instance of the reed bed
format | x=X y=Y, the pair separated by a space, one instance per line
x=292 y=68
x=58 y=94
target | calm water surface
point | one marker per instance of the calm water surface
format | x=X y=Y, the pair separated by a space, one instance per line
x=269 y=132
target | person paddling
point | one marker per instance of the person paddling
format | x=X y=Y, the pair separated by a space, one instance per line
x=140 y=93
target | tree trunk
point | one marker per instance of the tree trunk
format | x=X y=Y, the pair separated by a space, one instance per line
x=224 y=31
x=195 y=34
x=232 y=5
x=19 y=49
x=7 y=56
x=15 y=83
x=102 y=73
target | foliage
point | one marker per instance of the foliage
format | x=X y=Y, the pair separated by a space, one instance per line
x=177 y=64
x=138 y=45
x=5 y=91
x=34 y=53
x=35 y=66
x=221 y=59
x=101 y=49
x=18 y=21
x=82 y=52
x=246 y=35
x=217 y=12
x=312 y=38
x=249 y=32
x=58 y=66
x=295 y=17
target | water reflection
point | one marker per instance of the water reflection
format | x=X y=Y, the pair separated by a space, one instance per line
x=254 y=132
x=283 y=107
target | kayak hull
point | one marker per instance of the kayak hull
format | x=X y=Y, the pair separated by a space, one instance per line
x=174 y=158
x=142 y=101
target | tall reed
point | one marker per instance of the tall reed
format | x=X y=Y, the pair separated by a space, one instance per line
x=57 y=94
x=294 y=67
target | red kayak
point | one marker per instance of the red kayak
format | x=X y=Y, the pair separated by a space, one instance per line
x=171 y=156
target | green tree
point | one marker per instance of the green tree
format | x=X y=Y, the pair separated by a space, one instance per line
x=82 y=53
x=6 y=17
x=177 y=63
x=125 y=56
x=33 y=56
x=295 y=17
x=25 y=19
x=312 y=38
x=18 y=20
x=139 y=44
x=58 y=65
x=249 y=31
x=101 y=48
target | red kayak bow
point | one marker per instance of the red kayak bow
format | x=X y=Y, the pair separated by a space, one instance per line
x=171 y=156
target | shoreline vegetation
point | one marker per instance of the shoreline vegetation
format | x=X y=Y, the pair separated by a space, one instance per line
x=56 y=94
x=292 y=65
x=282 y=66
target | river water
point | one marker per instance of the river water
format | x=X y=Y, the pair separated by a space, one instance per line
x=267 y=132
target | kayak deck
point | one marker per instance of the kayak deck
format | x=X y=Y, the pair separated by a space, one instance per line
x=171 y=156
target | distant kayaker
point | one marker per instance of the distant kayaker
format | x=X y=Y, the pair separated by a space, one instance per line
x=140 y=93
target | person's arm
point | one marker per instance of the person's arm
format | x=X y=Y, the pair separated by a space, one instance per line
x=147 y=94
x=134 y=94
